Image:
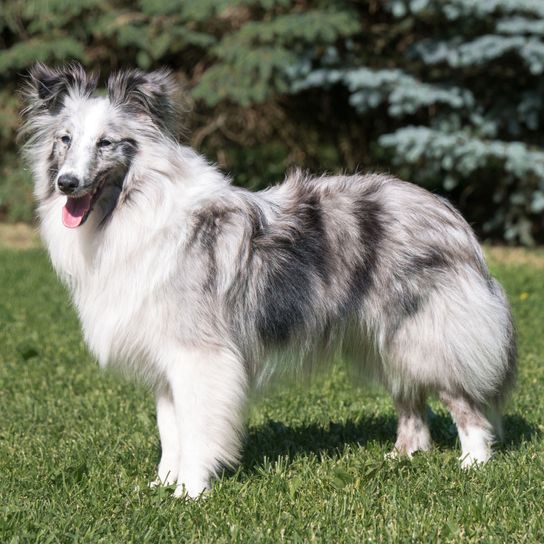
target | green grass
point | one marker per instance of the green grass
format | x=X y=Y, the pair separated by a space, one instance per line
x=78 y=446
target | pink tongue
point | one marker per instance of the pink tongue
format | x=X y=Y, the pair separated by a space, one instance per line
x=74 y=211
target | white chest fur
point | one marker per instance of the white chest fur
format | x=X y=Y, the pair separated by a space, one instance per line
x=117 y=278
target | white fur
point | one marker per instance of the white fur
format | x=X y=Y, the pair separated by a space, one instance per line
x=475 y=445
x=116 y=280
x=451 y=333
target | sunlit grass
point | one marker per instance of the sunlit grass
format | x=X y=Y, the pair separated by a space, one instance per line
x=78 y=446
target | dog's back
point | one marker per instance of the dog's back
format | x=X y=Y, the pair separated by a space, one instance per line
x=202 y=287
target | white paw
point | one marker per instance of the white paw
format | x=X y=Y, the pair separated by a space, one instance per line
x=162 y=480
x=191 y=490
x=474 y=459
x=397 y=454
x=408 y=453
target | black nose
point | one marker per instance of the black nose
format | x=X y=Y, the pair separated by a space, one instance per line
x=67 y=183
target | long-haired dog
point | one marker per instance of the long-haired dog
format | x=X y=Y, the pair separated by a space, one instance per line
x=204 y=289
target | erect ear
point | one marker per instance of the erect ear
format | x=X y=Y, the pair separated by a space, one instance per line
x=47 y=87
x=152 y=94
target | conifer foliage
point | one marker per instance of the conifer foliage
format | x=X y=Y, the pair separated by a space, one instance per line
x=446 y=93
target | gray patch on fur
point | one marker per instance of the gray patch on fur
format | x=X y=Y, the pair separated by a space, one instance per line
x=368 y=267
x=151 y=94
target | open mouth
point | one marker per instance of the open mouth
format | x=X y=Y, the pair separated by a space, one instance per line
x=77 y=208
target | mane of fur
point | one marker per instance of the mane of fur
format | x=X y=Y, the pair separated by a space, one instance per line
x=202 y=288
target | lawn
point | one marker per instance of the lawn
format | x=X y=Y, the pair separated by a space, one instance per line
x=78 y=446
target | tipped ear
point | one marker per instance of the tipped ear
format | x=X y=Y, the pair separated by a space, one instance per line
x=47 y=87
x=152 y=94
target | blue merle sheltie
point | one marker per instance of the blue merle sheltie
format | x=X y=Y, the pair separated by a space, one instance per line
x=205 y=289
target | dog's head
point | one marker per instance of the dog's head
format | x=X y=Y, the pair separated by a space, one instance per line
x=87 y=142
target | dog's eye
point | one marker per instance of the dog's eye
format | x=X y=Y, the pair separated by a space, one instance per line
x=65 y=139
x=104 y=142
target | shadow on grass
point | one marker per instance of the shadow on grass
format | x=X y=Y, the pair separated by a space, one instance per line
x=275 y=439
x=518 y=430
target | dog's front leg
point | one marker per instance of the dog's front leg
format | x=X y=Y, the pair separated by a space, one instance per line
x=208 y=388
x=168 y=431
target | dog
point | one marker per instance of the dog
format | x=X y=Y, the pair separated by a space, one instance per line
x=205 y=290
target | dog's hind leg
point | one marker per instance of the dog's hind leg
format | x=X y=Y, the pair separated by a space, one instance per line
x=209 y=391
x=494 y=415
x=474 y=428
x=168 y=431
x=413 y=431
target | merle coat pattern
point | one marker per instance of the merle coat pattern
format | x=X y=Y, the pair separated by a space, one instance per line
x=204 y=289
